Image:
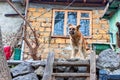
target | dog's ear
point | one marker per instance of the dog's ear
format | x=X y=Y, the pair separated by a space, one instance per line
x=78 y=27
x=118 y=24
x=69 y=25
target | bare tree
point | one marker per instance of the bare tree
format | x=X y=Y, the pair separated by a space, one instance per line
x=30 y=41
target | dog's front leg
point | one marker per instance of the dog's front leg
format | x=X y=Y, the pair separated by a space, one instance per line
x=81 y=54
x=72 y=54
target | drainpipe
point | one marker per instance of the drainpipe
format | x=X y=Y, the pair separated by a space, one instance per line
x=24 y=25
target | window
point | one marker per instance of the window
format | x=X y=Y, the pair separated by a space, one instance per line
x=61 y=19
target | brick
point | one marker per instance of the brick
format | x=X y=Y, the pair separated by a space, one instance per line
x=48 y=29
x=67 y=41
x=41 y=20
x=49 y=20
x=36 y=24
x=46 y=40
x=42 y=29
x=48 y=15
x=41 y=10
x=31 y=19
x=60 y=40
x=46 y=34
x=96 y=21
x=52 y=41
x=46 y=24
x=29 y=14
x=41 y=40
x=54 y=46
x=36 y=14
x=31 y=9
x=58 y=50
x=96 y=26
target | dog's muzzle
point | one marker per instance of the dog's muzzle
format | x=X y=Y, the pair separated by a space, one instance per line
x=71 y=32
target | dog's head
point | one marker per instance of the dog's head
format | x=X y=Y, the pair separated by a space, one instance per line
x=73 y=29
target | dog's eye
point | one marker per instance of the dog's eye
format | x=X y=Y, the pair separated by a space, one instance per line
x=69 y=28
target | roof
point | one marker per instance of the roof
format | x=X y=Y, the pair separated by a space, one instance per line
x=78 y=3
x=111 y=8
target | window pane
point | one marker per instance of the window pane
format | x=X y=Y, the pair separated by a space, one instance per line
x=85 y=25
x=85 y=15
x=59 y=23
x=72 y=19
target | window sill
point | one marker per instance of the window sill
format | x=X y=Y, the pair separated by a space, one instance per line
x=64 y=37
x=68 y=37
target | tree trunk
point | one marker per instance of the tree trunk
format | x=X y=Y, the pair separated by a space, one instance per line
x=34 y=54
x=4 y=70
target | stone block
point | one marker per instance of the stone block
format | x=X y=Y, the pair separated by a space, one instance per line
x=60 y=40
x=31 y=9
x=36 y=14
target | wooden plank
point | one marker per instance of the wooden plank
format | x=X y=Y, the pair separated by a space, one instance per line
x=33 y=63
x=53 y=78
x=88 y=78
x=4 y=70
x=49 y=67
x=92 y=66
x=71 y=74
x=75 y=63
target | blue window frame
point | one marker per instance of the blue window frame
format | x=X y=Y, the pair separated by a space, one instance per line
x=61 y=19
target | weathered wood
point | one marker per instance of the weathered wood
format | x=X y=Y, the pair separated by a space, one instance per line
x=71 y=74
x=88 y=78
x=4 y=70
x=53 y=78
x=36 y=63
x=49 y=67
x=92 y=66
x=75 y=63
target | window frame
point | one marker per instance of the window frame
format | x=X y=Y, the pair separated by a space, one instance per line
x=65 y=21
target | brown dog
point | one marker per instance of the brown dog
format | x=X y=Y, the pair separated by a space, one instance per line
x=78 y=42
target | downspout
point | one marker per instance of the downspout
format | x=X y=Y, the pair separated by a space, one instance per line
x=24 y=25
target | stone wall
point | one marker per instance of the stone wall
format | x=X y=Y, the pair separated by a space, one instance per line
x=40 y=18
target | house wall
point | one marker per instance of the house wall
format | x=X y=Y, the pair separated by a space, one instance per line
x=112 y=21
x=40 y=17
x=9 y=25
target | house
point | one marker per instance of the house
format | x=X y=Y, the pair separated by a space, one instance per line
x=112 y=14
x=50 y=18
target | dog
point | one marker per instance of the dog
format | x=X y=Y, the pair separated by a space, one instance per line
x=78 y=42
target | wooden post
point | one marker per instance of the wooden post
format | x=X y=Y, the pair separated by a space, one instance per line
x=49 y=67
x=92 y=66
x=4 y=70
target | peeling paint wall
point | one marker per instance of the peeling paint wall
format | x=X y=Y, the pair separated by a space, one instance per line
x=115 y=18
x=9 y=25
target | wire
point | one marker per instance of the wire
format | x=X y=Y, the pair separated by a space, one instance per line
x=51 y=9
x=69 y=4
